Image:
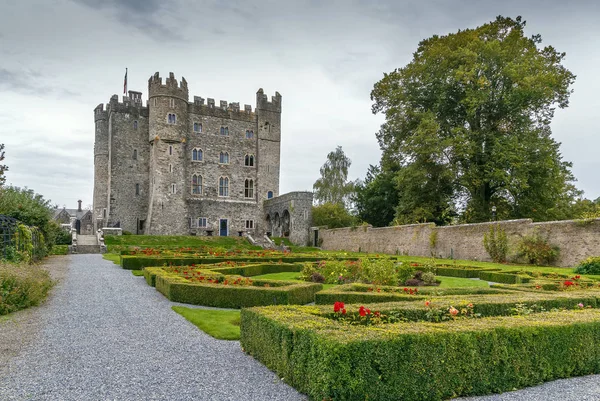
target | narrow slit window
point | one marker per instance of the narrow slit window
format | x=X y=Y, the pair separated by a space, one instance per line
x=137 y=189
x=134 y=154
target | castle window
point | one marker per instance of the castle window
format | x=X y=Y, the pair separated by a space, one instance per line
x=104 y=213
x=223 y=186
x=249 y=160
x=224 y=158
x=170 y=150
x=197 y=127
x=202 y=222
x=269 y=194
x=197 y=155
x=249 y=134
x=249 y=189
x=172 y=103
x=171 y=118
x=249 y=224
x=225 y=131
x=135 y=124
x=170 y=168
x=137 y=189
x=173 y=189
x=197 y=184
x=134 y=154
x=155 y=102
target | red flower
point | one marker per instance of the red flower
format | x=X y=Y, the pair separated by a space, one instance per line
x=338 y=306
x=427 y=303
x=405 y=289
x=362 y=311
x=377 y=314
x=343 y=311
x=379 y=290
x=368 y=311
x=568 y=283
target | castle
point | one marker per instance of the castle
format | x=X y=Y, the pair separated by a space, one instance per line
x=179 y=167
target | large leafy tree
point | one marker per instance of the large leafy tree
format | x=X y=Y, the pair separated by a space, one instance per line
x=3 y=167
x=332 y=215
x=377 y=197
x=468 y=121
x=333 y=186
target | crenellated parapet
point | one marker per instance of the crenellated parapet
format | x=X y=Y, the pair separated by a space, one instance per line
x=100 y=113
x=170 y=88
x=131 y=105
x=263 y=103
x=223 y=110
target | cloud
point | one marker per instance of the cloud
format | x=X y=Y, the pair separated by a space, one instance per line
x=30 y=83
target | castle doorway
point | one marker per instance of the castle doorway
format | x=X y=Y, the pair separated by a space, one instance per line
x=285 y=222
x=223 y=229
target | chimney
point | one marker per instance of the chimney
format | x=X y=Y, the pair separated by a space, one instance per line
x=79 y=207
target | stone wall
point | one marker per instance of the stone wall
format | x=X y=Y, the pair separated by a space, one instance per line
x=576 y=239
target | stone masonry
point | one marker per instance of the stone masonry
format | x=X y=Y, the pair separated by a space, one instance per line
x=180 y=167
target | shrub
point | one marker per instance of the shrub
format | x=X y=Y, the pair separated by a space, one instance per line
x=412 y=282
x=589 y=266
x=536 y=250
x=495 y=243
x=428 y=278
x=317 y=277
x=22 y=286
x=327 y=359
x=59 y=250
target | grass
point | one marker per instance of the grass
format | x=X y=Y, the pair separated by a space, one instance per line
x=288 y=276
x=113 y=257
x=137 y=272
x=118 y=242
x=220 y=324
x=22 y=285
x=454 y=282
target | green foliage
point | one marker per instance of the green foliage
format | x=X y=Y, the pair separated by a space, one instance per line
x=116 y=243
x=376 y=198
x=378 y=271
x=536 y=250
x=21 y=286
x=332 y=215
x=220 y=324
x=327 y=359
x=589 y=266
x=333 y=186
x=468 y=122
x=495 y=243
x=63 y=250
x=3 y=167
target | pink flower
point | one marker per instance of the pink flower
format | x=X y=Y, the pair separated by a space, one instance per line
x=580 y=305
x=453 y=311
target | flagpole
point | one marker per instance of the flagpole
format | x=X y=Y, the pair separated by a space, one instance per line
x=125 y=82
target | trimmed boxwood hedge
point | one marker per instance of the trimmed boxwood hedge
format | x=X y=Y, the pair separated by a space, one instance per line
x=136 y=262
x=329 y=360
x=357 y=293
x=258 y=269
x=495 y=275
x=178 y=289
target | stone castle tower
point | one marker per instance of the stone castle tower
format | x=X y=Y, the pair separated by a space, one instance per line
x=180 y=167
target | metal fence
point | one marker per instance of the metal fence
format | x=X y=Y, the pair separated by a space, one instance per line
x=10 y=247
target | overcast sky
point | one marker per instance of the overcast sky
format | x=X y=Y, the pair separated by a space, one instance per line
x=60 y=58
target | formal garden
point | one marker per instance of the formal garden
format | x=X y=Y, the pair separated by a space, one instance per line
x=345 y=326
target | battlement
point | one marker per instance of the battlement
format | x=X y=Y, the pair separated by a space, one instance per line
x=100 y=113
x=132 y=105
x=170 y=88
x=263 y=103
x=224 y=110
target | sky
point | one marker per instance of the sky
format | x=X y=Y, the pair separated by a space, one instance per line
x=59 y=59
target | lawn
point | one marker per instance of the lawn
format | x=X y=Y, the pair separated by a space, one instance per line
x=113 y=257
x=176 y=241
x=137 y=273
x=447 y=282
x=220 y=324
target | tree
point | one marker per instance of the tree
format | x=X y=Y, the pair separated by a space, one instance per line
x=3 y=167
x=468 y=121
x=332 y=215
x=333 y=186
x=377 y=197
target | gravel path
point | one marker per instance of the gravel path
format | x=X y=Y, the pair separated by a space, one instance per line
x=106 y=335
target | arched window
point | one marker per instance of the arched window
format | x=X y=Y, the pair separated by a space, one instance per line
x=224 y=131
x=249 y=134
x=197 y=127
x=249 y=160
x=197 y=155
x=197 y=184
x=171 y=118
x=224 y=158
x=135 y=124
x=269 y=194
x=249 y=189
x=223 y=186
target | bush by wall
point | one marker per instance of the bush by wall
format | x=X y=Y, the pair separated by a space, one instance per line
x=327 y=359
x=495 y=243
x=589 y=266
x=21 y=286
x=535 y=249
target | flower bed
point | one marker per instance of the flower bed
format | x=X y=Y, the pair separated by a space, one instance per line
x=331 y=359
x=225 y=291
x=366 y=293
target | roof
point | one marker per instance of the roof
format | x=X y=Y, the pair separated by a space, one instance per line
x=72 y=212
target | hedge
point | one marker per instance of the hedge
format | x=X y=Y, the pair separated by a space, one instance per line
x=135 y=262
x=178 y=289
x=329 y=360
x=357 y=293
x=495 y=275
x=258 y=269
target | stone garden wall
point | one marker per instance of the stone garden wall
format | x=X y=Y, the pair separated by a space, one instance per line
x=576 y=239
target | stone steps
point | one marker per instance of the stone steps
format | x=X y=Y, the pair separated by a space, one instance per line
x=88 y=249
